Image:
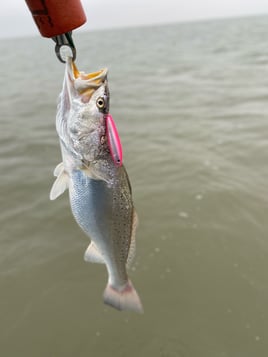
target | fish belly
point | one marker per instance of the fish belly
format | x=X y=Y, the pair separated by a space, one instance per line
x=97 y=212
x=92 y=208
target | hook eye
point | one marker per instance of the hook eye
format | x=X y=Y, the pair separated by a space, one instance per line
x=62 y=41
x=62 y=52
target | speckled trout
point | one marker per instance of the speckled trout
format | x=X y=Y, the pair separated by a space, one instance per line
x=99 y=189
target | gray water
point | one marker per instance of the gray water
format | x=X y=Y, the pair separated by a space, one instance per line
x=191 y=105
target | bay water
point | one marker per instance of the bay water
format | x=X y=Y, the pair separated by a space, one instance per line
x=191 y=105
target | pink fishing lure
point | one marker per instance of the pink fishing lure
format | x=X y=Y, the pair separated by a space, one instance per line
x=114 y=141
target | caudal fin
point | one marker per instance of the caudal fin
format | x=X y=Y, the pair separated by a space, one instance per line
x=124 y=299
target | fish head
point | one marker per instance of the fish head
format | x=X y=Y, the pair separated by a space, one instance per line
x=98 y=99
x=83 y=106
x=92 y=89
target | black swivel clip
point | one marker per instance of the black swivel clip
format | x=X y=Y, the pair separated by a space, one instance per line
x=64 y=40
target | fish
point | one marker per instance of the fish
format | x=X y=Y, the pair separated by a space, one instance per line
x=100 y=192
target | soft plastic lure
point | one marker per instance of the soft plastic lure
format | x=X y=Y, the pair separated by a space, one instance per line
x=114 y=142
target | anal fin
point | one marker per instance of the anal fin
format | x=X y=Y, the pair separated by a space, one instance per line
x=93 y=255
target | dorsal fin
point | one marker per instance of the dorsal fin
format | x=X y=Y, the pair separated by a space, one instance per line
x=132 y=248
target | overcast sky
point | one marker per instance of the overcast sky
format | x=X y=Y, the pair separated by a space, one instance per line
x=15 y=18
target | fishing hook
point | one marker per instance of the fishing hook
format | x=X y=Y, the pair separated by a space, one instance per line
x=64 y=40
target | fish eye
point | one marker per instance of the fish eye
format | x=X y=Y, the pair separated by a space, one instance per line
x=100 y=103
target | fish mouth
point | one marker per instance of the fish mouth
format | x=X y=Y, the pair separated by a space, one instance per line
x=87 y=83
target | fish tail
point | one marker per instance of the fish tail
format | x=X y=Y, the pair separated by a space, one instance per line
x=123 y=299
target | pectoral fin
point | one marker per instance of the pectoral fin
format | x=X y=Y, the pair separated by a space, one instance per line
x=61 y=183
x=95 y=173
x=58 y=169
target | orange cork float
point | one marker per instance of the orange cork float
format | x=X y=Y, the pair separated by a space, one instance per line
x=56 y=17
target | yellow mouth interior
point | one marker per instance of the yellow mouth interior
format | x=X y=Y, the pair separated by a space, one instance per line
x=91 y=81
x=91 y=75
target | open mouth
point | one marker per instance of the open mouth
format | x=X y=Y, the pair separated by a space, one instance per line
x=87 y=83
